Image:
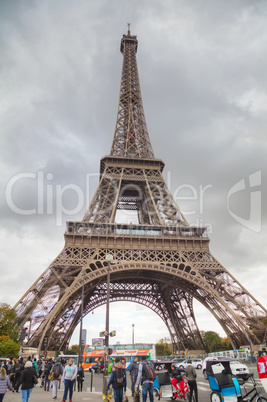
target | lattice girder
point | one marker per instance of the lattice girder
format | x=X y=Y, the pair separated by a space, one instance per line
x=166 y=267
x=143 y=190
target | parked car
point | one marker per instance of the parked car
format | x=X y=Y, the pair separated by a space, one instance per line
x=238 y=369
x=197 y=363
x=176 y=360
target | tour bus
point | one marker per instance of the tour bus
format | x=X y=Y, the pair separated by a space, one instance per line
x=93 y=354
x=240 y=354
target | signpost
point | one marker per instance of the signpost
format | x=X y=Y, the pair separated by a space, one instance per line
x=97 y=342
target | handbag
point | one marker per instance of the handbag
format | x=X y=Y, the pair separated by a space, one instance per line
x=51 y=376
x=35 y=380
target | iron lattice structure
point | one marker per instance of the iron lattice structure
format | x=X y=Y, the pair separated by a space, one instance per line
x=161 y=262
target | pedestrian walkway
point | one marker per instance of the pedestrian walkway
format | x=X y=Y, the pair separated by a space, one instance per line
x=39 y=395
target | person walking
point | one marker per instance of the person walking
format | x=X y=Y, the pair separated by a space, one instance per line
x=17 y=374
x=19 y=370
x=4 y=365
x=41 y=373
x=80 y=377
x=35 y=365
x=118 y=380
x=133 y=369
x=191 y=375
x=4 y=383
x=26 y=381
x=9 y=364
x=57 y=370
x=12 y=372
x=69 y=375
x=46 y=373
x=145 y=374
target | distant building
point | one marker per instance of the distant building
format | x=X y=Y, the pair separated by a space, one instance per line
x=84 y=336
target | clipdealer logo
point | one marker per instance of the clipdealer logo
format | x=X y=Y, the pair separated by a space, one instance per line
x=50 y=197
x=253 y=222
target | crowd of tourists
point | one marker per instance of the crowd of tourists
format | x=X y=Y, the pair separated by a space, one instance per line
x=19 y=376
x=142 y=374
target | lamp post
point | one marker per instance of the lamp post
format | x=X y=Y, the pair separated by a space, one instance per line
x=109 y=259
x=133 y=334
x=81 y=322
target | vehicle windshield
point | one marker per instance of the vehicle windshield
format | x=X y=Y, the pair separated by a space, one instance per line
x=234 y=362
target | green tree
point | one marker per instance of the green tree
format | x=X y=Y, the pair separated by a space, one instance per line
x=72 y=351
x=8 y=322
x=8 y=347
x=213 y=341
x=163 y=348
x=226 y=344
x=75 y=349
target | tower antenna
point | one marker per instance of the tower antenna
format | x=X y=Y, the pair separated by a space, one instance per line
x=129 y=33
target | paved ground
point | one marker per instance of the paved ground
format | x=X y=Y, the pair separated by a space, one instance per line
x=95 y=395
x=39 y=395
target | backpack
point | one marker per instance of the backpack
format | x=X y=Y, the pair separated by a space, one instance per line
x=57 y=371
x=46 y=369
x=17 y=368
x=149 y=372
x=119 y=377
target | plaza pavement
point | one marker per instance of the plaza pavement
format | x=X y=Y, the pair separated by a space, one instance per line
x=39 y=395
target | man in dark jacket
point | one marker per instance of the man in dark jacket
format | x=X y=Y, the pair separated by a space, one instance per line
x=191 y=375
x=133 y=369
x=57 y=369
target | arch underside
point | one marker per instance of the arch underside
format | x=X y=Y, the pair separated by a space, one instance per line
x=51 y=308
x=173 y=306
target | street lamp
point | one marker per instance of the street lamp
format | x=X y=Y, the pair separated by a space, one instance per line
x=133 y=334
x=81 y=322
x=109 y=259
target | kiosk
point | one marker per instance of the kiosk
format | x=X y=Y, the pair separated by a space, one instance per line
x=262 y=371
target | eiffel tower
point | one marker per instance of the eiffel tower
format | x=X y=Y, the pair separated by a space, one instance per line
x=162 y=262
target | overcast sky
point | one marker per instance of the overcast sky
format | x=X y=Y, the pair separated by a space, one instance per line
x=203 y=73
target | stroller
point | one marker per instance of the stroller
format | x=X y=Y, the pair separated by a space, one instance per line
x=226 y=387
